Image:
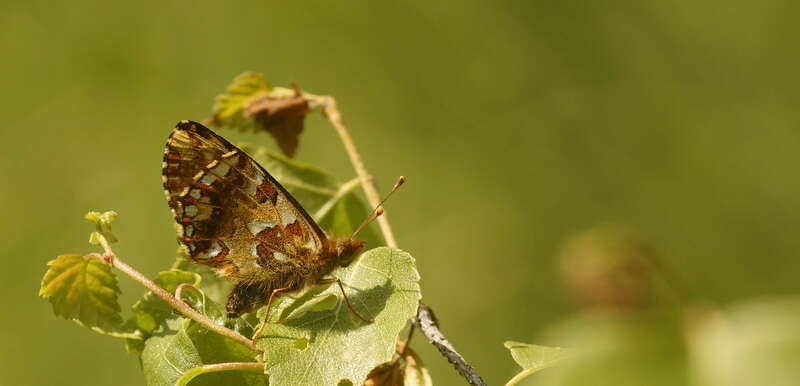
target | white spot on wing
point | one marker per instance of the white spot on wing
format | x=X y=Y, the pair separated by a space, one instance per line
x=251 y=187
x=190 y=211
x=221 y=169
x=254 y=249
x=188 y=230
x=280 y=256
x=208 y=179
x=215 y=250
x=285 y=208
x=256 y=226
x=311 y=244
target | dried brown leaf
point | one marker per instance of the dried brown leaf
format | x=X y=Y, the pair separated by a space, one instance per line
x=281 y=116
x=407 y=370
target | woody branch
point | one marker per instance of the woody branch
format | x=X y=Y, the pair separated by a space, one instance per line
x=429 y=326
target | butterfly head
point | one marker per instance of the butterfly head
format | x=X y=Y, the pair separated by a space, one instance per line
x=347 y=249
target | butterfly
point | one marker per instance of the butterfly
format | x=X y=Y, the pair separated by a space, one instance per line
x=234 y=217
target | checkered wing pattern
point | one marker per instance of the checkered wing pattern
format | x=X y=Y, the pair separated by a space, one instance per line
x=230 y=213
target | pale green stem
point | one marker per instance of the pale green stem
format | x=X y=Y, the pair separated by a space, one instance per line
x=520 y=376
x=231 y=366
x=347 y=187
x=192 y=373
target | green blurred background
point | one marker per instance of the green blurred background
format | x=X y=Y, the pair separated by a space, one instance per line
x=517 y=124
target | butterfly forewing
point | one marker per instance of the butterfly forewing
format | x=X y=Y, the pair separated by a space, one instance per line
x=230 y=213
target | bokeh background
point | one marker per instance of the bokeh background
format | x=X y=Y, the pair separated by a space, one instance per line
x=524 y=128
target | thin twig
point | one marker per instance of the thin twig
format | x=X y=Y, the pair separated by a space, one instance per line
x=427 y=323
x=179 y=305
x=424 y=319
x=331 y=111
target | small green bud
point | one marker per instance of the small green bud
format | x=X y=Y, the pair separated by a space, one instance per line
x=93 y=217
x=108 y=217
x=102 y=222
x=95 y=238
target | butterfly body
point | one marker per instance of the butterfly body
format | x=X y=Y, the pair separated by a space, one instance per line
x=233 y=216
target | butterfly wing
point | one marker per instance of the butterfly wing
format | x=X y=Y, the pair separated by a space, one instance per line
x=230 y=213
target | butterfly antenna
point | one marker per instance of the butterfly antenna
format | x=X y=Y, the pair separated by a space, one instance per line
x=378 y=211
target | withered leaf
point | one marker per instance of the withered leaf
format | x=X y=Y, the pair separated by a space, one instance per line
x=250 y=103
x=388 y=374
x=281 y=116
x=405 y=370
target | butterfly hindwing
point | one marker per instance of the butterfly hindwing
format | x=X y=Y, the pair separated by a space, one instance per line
x=230 y=213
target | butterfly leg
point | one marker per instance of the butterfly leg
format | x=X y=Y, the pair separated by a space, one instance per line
x=264 y=322
x=346 y=299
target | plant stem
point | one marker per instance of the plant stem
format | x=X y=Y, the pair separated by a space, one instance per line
x=344 y=189
x=520 y=376
x=424 y=319
x=331 y=111
x=192 y=373
x=179 y=305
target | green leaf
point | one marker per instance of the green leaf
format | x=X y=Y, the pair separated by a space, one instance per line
x=533 y=358
x=193 y=373
x=229 y=107
x=327 y=345
x=178 y=355
x=151 y=311
x=85 y=290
